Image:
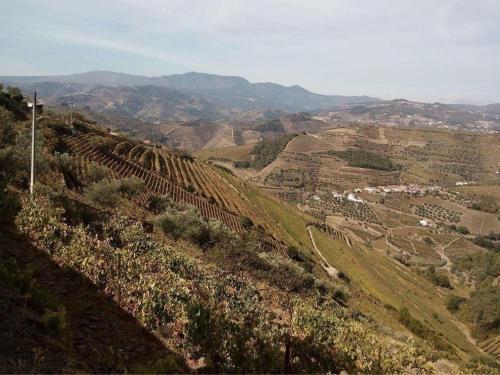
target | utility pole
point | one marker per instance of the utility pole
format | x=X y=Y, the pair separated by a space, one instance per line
x=33 y=121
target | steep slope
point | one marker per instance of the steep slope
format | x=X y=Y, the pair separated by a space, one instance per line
x=235 y=285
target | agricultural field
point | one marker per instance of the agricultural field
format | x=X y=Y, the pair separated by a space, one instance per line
x=395 y=287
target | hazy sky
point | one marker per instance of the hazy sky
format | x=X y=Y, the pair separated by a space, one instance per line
x=429 y=50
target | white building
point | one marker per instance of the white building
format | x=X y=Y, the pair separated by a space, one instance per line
x=351 y=197
x=424 y=223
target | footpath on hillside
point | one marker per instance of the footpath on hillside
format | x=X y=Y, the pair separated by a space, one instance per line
x=332 y=271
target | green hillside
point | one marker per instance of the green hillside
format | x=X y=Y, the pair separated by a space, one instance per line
x=132 y=258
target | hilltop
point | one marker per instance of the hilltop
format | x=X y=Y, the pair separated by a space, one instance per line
x=177 y=97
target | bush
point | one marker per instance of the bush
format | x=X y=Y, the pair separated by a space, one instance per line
x=159 y=203
x=103 y=144
x=96 y=172
x=241 y=164
x=295 y=254
x=463 y=230
x=453 y=302
x=486 y=242
x=439 y=279
x=246 y=222
x=131 y=186
x=189 y=225
x=103 y=193
x=415 y=326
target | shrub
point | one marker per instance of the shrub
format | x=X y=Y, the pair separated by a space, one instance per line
x=241 y=164
x=42 y=222
x=246 y=222
x=189 y=225
x=439 y=279
x=104 y=144
x=463 y=230
x=295 y=254
x=453 y=302
x=103 y=193
x=96 y=172
x=415 y=326
x=218 y=315
x=159 y=203
x=131 y=186
x=55 y=322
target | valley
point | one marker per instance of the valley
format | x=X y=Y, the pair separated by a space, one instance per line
x=386 y=228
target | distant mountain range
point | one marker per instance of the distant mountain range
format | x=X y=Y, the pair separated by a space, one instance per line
x=182 y=97
x=400 y=112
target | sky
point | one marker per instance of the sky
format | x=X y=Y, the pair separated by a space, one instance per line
x=426 y=50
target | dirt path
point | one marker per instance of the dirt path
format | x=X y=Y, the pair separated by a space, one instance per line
x=332 y=271
x=465 y=330
x=444 y=257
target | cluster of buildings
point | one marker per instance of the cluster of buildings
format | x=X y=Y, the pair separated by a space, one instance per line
x=408 y=189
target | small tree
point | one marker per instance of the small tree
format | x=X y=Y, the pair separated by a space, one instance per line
x=96 y=172
x=131 y=186
x=104 y=193
x=158 y=203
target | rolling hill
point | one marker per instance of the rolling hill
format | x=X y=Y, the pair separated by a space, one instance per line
x=209 y=96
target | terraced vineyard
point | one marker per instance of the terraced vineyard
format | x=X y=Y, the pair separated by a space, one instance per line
x=491 y=346
x=181 y=179
x=183 y=171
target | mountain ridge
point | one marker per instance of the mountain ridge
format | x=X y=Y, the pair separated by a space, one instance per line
x=234 y=92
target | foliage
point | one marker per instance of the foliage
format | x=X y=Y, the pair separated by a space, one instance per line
x=415 y=326
x=55 y=321
x=483 y=308
x=453 y=302
x=159 y=203
x=273 y=125
x=207 y=311
x=463 y=230
x=242 y=164
x=13 y=101
x=365 y=159
x=96 y=172
x=331 y=339
x=15 y=152
x=439 y=279
x=487 y=241
x=486 y=204
x=267 y=150
x=104 y=193
x=104 y=144
x=131 y=186
x=246 y=222
x=189 y=225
